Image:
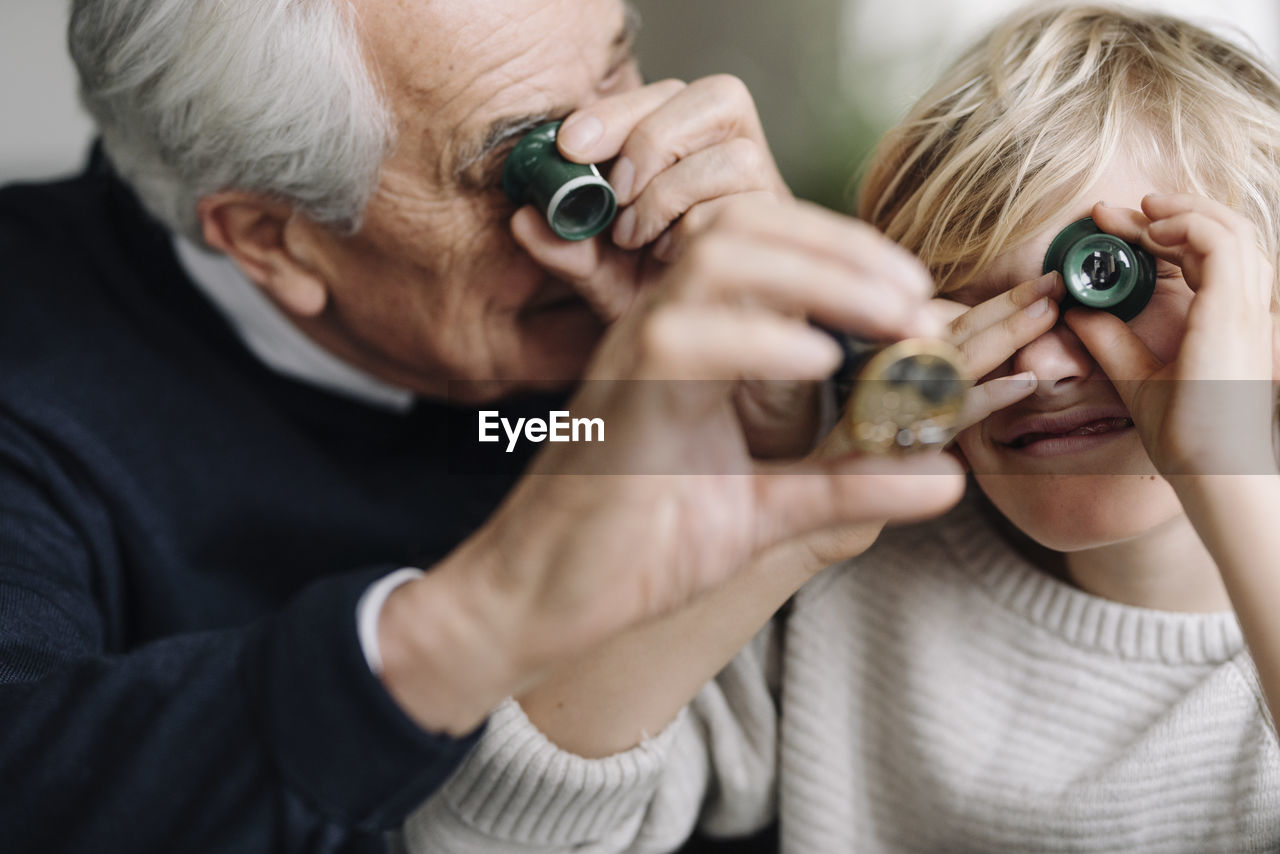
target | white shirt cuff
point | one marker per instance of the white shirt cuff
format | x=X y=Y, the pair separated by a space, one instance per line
x=369 y=609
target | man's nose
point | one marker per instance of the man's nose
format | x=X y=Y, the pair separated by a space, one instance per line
x=1058 y=358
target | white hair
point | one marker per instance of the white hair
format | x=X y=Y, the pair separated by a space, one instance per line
x=271 y=97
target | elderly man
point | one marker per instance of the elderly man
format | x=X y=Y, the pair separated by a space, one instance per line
x=239 y=352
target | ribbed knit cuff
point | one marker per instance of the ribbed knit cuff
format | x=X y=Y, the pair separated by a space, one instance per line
x=518 y=788
x=338 y=737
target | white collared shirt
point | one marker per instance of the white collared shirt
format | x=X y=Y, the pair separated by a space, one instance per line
x=273 y=338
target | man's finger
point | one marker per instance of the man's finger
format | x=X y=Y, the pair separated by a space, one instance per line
x=706 y=113
x=600 y=276
x=671 y=245
x=715 y=172
x=728 y=268
x=812 y=229
x=812 y=495
x=716 y=343
x=596 y=134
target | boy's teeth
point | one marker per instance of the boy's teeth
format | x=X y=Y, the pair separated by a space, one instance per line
x=1106 y=425
x=1093 y=428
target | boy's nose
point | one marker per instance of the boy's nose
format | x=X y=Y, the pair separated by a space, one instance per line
x=1058 y=358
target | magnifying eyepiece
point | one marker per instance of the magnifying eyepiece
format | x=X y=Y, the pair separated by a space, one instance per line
x=902 y=397
x=577 y=202
x=1102 y=271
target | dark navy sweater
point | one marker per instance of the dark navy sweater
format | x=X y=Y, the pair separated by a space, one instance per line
x=184 y=535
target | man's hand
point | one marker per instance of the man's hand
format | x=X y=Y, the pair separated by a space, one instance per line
x=599 y=537
x=680 y=152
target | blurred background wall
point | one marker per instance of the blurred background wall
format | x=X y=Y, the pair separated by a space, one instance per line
x=828 y=75
x=42 y=129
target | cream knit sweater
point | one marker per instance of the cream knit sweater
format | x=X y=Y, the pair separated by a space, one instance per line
x=937 y=694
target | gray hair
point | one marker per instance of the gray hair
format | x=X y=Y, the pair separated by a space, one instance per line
x=266 y=96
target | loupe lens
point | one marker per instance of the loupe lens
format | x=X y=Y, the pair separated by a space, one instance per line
x=901 y=397
x=583 y=211
x=1101 y=271
x=576 y=201
x=932 y=378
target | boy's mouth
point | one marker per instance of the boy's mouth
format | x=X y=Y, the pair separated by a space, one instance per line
x=1029 y=431
x=1093 y=428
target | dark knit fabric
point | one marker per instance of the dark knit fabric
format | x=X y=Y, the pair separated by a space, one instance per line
x=184 y=535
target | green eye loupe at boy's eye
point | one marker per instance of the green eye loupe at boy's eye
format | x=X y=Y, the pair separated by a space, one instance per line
x=576 y=201
x=1101 y=271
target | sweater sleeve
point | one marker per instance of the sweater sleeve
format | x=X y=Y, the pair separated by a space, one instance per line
x=713 y=767
x=271 y=736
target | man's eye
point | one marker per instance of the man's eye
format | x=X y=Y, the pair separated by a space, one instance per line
x=493 y=172
x=486 y=176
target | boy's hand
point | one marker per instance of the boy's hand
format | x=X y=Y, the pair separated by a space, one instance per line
x=1208 y=410
x=986 y=334
x=989 y=333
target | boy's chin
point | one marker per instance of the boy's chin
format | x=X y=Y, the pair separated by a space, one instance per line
x=1071 y=513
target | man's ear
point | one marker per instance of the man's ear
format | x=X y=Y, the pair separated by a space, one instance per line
x=272 y=246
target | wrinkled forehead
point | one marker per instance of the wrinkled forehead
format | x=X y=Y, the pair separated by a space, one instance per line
x=454 y=59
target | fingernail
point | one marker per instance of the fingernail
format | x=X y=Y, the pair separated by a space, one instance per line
x=577 y=134
x=622 y=177
x=1038 y=308
x=1101 y=203
x=1024 y=380
x=625 y=227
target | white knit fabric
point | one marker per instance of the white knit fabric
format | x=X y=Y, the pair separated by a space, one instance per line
x=937 y=694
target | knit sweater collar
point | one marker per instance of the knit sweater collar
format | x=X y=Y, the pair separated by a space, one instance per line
x=1078 y=617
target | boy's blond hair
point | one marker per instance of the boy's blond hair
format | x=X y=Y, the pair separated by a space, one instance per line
x=1027 y=120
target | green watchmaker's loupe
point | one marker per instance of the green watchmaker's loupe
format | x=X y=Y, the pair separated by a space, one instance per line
x=576 y=201
x=1101 y=271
